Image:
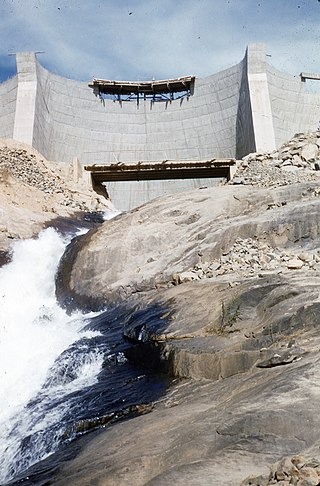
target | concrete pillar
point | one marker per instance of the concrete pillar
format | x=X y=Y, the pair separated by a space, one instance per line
x=26 y=97
x=259 y=98
x=77 y=169
x=232 y=170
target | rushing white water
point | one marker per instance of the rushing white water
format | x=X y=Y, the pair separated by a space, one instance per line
x=34 y=332
x=107 y=215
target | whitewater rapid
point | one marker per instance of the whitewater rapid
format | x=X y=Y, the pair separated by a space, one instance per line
x=60 y=373
x=34 y=333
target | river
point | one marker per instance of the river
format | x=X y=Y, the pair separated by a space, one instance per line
x=58 y=372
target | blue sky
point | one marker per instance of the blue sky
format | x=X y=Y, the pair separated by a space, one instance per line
x=142 y=39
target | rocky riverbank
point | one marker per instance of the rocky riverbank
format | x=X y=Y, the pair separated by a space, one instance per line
x=294 y=162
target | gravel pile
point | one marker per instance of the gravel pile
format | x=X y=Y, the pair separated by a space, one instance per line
x=26 y=168
x=296 y=161
x=248 y=257
x=294 y=471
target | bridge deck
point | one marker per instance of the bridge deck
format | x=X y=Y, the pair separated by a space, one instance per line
x=165 y=170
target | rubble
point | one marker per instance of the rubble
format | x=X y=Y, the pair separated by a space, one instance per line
x=34 y=191
x=27 y=169
x=21 y=163
x=296 y=161
x=249 y=258
x=294 y=471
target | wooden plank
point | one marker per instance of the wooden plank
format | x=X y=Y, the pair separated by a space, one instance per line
x=203 y=173
x=305 y=76
x=165 y=165
x=148 y=87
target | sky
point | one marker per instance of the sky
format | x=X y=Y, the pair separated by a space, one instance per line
x=145 y=39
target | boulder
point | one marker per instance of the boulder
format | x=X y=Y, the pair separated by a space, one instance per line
x=310 y=152
x=295 y=264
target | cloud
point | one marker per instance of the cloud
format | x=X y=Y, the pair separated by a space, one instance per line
x=141 y=39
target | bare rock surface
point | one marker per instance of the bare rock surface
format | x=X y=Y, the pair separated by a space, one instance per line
x=206 y=233
x=227 y=419
x=238 y=266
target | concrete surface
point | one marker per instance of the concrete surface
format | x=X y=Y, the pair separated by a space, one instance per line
x=26 y=97
x=126 y=195
x=247 y=107
x=8 y=96
x=260 y=99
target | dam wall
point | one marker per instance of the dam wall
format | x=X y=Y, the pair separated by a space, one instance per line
x=248 y=107
x=71 y=121
x=8 y=96
x=294 y=109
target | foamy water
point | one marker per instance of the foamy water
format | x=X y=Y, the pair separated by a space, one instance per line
x=107 y=215
x=57 y=371
x=34 y=333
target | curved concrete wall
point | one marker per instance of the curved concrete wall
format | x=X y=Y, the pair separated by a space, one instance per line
x=248 y=107
x=293 y=108
x=126 y=195
x=70 y=120
x=8 y=96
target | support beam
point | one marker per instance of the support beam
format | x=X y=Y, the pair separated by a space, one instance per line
x=165 y=170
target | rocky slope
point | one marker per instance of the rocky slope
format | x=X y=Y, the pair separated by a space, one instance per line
x=247 y=358
x=150 y=246
x=196 y=235
x=34 y=191
x=237 y=271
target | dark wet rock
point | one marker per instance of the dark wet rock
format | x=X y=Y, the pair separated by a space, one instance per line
x=281 y=357
x=88 y=425
x=68 y=299
x=5 y=257
x=80 y=220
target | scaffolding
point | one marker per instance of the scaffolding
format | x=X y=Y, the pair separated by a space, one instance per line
x=160 y=90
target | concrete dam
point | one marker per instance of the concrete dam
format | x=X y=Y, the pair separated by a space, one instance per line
x=187 y=123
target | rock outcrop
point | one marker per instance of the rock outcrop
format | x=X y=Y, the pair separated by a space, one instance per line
x=199 y=232
x=238 y=267
x=246 y=395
